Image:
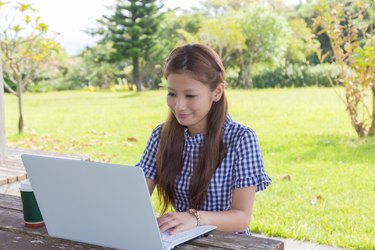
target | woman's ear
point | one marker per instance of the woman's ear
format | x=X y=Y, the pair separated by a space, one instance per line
x=218 y=92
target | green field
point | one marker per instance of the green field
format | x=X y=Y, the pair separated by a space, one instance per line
x=327 y=194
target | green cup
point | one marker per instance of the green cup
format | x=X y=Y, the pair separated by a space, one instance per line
x=31 y=213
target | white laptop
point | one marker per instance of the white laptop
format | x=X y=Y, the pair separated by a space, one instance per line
x=98 y=203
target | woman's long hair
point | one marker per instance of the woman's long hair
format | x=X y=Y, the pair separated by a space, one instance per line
x=204 y=65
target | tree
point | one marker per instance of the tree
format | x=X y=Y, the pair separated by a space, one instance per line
x=131 y=28
x=308 y=12
x=23 y=48
x=49 y=74
x=301 y=42
x=170 y=33
x=224 y=35
x=350 y=28
x=265 y=33
x=91 y=68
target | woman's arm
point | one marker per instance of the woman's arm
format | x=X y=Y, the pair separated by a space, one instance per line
x=236 y=219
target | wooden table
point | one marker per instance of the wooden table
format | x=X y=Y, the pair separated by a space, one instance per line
x=14 y=235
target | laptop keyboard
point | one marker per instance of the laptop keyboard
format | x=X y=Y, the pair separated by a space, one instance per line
x=183 y=236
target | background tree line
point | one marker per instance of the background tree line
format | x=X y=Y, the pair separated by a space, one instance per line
x=263 y=44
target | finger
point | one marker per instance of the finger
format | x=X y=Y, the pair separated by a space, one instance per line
x=164 y=219
x=177 y=229
x=160 y=219
x=170 y=223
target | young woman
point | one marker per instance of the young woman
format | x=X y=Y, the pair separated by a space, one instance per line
x=204 y=164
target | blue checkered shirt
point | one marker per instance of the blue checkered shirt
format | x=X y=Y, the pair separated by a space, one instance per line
x=241 y=167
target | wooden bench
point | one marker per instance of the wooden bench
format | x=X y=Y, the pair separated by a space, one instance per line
x=14 y=235
x=12 y=169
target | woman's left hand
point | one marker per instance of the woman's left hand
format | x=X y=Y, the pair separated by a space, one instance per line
x=176 y=222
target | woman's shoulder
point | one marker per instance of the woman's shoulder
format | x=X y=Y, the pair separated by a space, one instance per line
x=155 y=134
x=157 y=129
x=234 y=131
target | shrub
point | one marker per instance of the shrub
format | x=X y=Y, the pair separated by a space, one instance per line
x=294 y=75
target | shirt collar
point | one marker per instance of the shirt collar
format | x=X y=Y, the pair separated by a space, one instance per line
x=199 y=138
x=195 y=139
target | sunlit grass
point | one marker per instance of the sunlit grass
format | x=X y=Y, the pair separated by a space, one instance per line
x=327 y=194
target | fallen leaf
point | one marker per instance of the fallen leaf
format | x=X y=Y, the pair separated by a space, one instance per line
x=285 y=177
x=132 y=139
x=315 y=199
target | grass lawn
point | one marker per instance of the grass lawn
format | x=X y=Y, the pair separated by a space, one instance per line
x=323 y=176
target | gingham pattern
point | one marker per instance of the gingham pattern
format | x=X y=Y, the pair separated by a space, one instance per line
x=242 y=166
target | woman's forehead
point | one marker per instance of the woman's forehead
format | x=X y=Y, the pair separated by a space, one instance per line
x=185 y=82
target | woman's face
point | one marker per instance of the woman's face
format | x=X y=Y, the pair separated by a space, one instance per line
x=190 y=101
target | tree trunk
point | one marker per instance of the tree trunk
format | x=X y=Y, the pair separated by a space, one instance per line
x=239 y=77
x=3 y=151
x=352 y=99
x=136 y=78
x=20 y=105
x=244 y=76
x=371 y=132
x=130 y=85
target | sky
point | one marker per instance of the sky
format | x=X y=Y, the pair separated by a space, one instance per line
x=69 y=18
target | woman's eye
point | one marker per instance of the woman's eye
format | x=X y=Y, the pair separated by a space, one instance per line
x=191 y=96
x=171 y=94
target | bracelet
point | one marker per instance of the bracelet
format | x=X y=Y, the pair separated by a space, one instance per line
x=194 y=212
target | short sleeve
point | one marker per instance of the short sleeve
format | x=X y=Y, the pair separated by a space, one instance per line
x=249 y=165
x=148 y=159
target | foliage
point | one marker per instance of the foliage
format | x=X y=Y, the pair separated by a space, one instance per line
x=50 y=72
x=23 y=47
x=344 y=23
x=308 y=12
x=301 y=42
x=265 y=34
x=131 y=28
x=171 y=32
x=224 y=36
x=296 y=75
x=243 y=34
x=91 y=68
x=254 y=38
x=166 y=40
x=22 y=43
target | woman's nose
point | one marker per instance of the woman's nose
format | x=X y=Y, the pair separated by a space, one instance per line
x=180 y=104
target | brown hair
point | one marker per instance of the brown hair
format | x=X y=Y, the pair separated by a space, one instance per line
x=204 y=65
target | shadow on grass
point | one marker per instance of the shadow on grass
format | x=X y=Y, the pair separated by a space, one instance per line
x=129 y=95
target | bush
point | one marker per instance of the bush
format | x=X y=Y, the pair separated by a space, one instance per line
x=295 y=75
x=232 y=76
x=41 y=87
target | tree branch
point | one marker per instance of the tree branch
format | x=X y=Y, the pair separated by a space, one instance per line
x=7 y=87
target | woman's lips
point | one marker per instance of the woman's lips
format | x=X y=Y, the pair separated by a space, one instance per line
x=182 y=116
